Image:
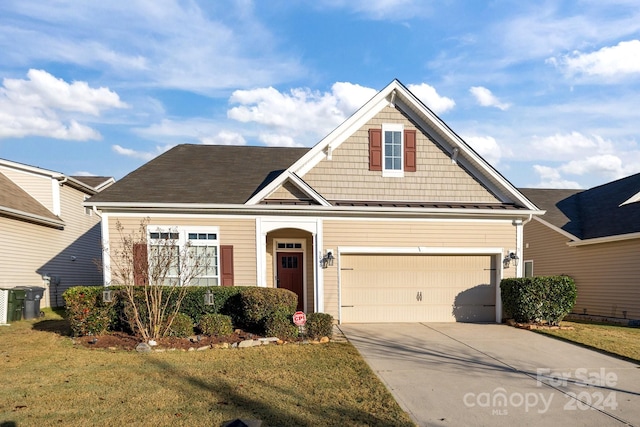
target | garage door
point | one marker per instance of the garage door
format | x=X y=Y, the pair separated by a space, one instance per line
x=417 y=288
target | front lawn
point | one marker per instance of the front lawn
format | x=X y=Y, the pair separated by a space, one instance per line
x=614 y=339
x=47 y=380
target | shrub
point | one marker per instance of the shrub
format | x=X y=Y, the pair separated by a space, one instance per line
x=214 y=324
x=319 y=325
x=182 y=326
x=533 y=299
x=224 y=301
x=280 y=324
x=87 y=313
x=259 y=303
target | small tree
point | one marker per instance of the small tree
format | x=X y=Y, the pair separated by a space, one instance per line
x=154 y=277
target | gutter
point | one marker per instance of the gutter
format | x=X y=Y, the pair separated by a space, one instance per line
x=306 y=209
x=607 y=239
x=59 y=224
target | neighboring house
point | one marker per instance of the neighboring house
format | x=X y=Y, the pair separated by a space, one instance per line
x=390 y=218
x=49 y=239
x=593 y=236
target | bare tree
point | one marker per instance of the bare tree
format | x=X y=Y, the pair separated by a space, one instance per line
x=155 y=275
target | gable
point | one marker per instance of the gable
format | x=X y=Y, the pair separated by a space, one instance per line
x=347 y=175
x=17 y=203
x=289 y=193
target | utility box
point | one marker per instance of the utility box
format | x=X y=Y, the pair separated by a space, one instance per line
x=4 y=301
x=33 y=296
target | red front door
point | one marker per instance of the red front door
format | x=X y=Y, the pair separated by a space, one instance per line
x=290 y=274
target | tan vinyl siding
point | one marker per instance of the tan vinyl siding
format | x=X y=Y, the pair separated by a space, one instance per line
x=437 y=179
x=282 y=235
x=288 y=191
x=240 y=233
x=38 y=186
x=30 y=251
x=410 y=234
x=606 y=274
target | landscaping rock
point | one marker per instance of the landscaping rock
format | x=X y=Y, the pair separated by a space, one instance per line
x=280 y=342
x=206 y=347
x=247 y=343
x=143 y=347
x=324 y=340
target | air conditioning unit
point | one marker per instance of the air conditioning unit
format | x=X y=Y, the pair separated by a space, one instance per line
x=4 y=303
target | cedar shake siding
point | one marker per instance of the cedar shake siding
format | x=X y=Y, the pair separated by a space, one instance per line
x=348 y=175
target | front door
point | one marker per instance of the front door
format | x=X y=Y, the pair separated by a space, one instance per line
x=290 y=274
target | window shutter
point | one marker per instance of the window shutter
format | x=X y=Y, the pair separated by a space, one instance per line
x=410 y=150
x=226 y=265
x=375 y=149
x=140 y=264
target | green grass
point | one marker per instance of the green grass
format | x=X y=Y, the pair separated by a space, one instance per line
x=616 y=340
x=47 y=380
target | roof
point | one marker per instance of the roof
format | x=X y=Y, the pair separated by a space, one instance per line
x=588 y=214
x=14 y=201
x=95 y=182
x=194 y=173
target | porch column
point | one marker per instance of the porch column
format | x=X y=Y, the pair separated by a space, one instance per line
x=318 y=244
x=261 y=255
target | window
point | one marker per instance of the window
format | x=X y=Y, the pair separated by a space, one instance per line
x=528 y=269
x=184 y=255
x=392 y=150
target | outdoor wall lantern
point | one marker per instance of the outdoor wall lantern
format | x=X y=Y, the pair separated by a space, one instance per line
x=208 y=298
x=327 y=259
x=510 y=257
x=106 y=295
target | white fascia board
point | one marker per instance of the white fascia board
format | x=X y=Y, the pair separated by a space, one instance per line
x=333 y=139
x=418 y=250
x=144 y=208
x=635 y=198
x=32 y=218
x=32 y=169
x=607 y=239
x=556 y=229
x=81 y=186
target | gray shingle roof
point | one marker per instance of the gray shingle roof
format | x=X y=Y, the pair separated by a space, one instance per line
x=592 y=213
x=92 y=181
x=187 y=173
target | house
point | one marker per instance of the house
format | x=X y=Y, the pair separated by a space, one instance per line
x=49 y=239
x=392 y=217
x=593 y=236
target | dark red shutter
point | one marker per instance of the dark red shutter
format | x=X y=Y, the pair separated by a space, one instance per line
x=410 y=150
x=140 y=264
x=226 y=265
x=375 y=149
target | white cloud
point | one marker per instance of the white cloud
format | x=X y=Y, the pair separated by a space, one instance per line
x=430 y=97
x=273 y=140
x=568 y=146
x=487 y=147
x=380 y=9
x=485 y=98
x=224 y=138
x=143 y=155
x=49 y=107
x=604 y=165
x=608 y=62
x=551 y=178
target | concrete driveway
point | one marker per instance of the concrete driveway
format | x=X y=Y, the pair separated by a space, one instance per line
x=461 y=374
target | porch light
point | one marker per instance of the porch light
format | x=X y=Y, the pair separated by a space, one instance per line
x=106 y=295
x=510 y=257
x=327 y=259
x=208 y=298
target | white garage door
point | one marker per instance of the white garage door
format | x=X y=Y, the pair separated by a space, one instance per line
x=417 y=288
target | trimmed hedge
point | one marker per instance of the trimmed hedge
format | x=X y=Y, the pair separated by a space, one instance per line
x=535 y=299
x=247 y=306
x=214 y=324
x=280 y=324
x=260 y=303
x=87 y=313
x=182 y=326
x=319 y=325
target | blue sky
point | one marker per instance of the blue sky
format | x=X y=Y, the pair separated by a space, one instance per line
x=546 y=91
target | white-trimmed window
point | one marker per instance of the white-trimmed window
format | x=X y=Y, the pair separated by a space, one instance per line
x=528 y=268
x=392 y=149
x=169 y=244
